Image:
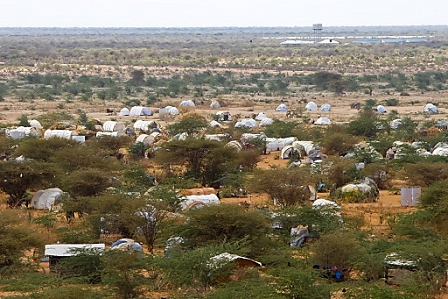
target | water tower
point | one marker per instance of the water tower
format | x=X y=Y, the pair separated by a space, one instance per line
x=317 y=29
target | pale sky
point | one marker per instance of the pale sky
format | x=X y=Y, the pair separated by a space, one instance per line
x=228 y=13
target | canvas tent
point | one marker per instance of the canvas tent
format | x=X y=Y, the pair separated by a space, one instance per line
x=430 y=109
x=145 y=125
x=325 y=108
x=140 y=111
x=311 y=106
x=45 y=199
x=214 y=105
x=64 y=134
x=113 y=126
x=282 y=108
x=124 y=112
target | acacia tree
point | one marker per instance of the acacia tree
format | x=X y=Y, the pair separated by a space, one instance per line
x=16 y=178
x=287 y=186
x=204 y=160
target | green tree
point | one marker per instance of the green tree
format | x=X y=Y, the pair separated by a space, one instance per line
x=16 y=178
x=190 y=123
x=86 y=182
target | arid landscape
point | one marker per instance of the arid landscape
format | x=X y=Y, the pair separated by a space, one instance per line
x=134 y=182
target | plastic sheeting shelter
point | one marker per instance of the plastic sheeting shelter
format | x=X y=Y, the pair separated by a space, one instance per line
x=266 y=122
x=311 y=106
x=394 y=124
x=64 y=134
x=380 y=109
x=277 y=144
x=214 y=124
x=35 y=124
x=224 y=116
x=45 y=199
x=235 y=144
x=113 y=126
x=248 y=123
x=430 y=109
x=282 y=108
x=110 y=134
x=289 y=151
x=410 y=196
x=325 y=108
x=148 y=139
x=126 y=244
x=215 y=105
x=124 y=112
x=22 y=132
x=260 y=116
x=140 y=111
x=323 y=121
x=224 y=258
x=168 y=110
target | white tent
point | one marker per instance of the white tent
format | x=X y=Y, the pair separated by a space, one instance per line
x=64 y=134
x=22 y=132
x=147 y=139
x=306 y=146
x=110 y=134
x=113 y=126
x=247 y=122
x=276 y=144
x=145 y=125
x=214 y=124
x=430 y=109
x=187 y=103
x=282 y=108
x=394 y=124
x=235 y=144
x=289 y=150
x=124 y=112
x=168 y=110
x=198 y=201
x=311 y=106
x=329 y=41
x=325 y=108
x=224 y=116
x=216 y=137
x=323 y=121
x=140 y=111
x=380 y=109
x=324 y=202
x=35 y=124
x=260 y=116
x=266 y=122
x=214 y=105
x=44 y=199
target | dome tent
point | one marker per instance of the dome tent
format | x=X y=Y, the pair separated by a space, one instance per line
x=325 y=108
x=260 y=116
x=430 y=109
x=380 y=109
x=248 y=123
x=140 y=111
x=45 y=199
x=126 y=244
x=124 y=112
x=311 y=106
x=214 y=124
x=282 y=108
x=35 y=124
x=214 y=105
x=187 y=103
x=266 y=122
x=323 y=121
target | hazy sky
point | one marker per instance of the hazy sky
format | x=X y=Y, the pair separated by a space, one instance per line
x=210 y=13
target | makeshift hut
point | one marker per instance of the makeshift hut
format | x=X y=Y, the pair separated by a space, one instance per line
x=168 y=111
x=198 y=201
x=260 y=116
x=380 y=109
x=394 y=124
x=266 y=122
x=214 y=124
x=145 y=125
x=148 y=139
x=126 y=245
x=246 y=123
x=277 y=144
x=235 y=144
x=187 y=103
x=22 y=132
x=35 y=124
x=109 y=134
x=58 y=252
x=323 y=121
x=140 y=111
x=290 y=151
x=223 y=116
x=219 y=260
